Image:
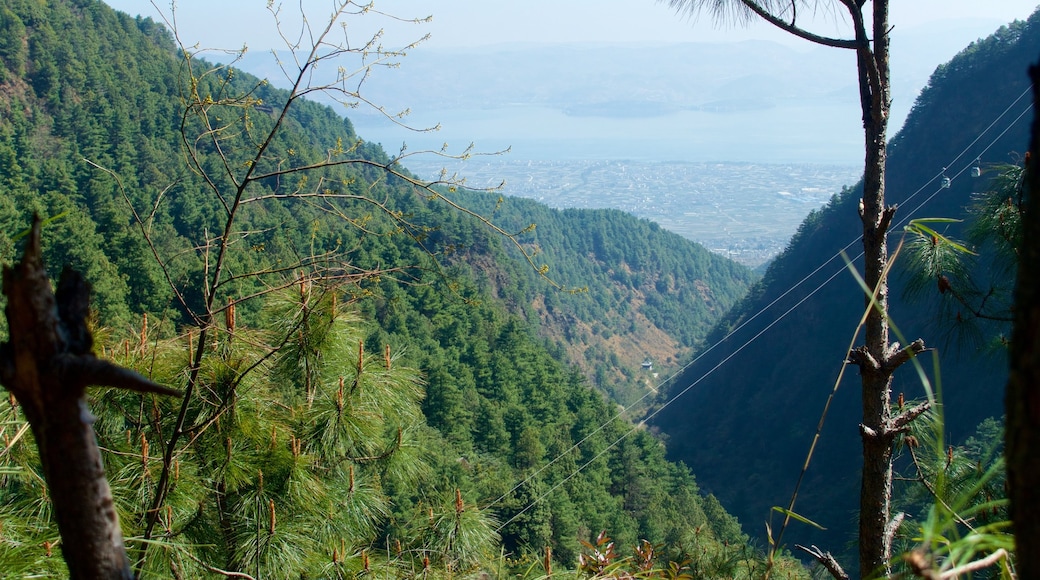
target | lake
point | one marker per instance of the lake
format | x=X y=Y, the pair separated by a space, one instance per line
x=827 y=131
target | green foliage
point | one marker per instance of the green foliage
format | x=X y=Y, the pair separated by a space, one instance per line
x=29 y=539
x=277 y=480
x=956 y=500
x=308 y=446
x=524 y=405
x=997 y=214
x=974 y=283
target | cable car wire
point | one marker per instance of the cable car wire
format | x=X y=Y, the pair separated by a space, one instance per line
x=941 y=175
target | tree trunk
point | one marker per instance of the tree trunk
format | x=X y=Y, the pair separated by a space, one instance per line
x=1022 y=400
x=47 y=364
x=877 y=357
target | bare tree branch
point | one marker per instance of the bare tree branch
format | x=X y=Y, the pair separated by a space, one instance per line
x=217 y=122
x=802 y=33
x=827 y=560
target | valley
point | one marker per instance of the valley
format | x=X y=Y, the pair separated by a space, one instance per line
x=627 y=343
x=744 y=211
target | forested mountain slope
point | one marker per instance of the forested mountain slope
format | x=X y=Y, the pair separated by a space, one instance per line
x=609 y=330
x=646 y=292
x=507 y=422
x=746 y=427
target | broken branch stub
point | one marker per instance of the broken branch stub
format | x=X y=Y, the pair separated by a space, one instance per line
x=47 y=363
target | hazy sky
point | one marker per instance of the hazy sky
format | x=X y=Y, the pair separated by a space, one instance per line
x=232 y=23
x=920 y=43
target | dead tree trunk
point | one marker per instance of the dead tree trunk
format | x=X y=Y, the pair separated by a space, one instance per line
x=47 y=364
x=1022 y=401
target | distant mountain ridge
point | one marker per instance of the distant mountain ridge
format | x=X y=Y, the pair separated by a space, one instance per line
x=607 y=101
x=746 y=426
x=680 y=75
x=604 y=90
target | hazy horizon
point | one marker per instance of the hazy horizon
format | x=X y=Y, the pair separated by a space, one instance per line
x=800 y=103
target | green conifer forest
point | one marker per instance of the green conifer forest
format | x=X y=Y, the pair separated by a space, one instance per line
x=348 y=370
x=365 y=385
